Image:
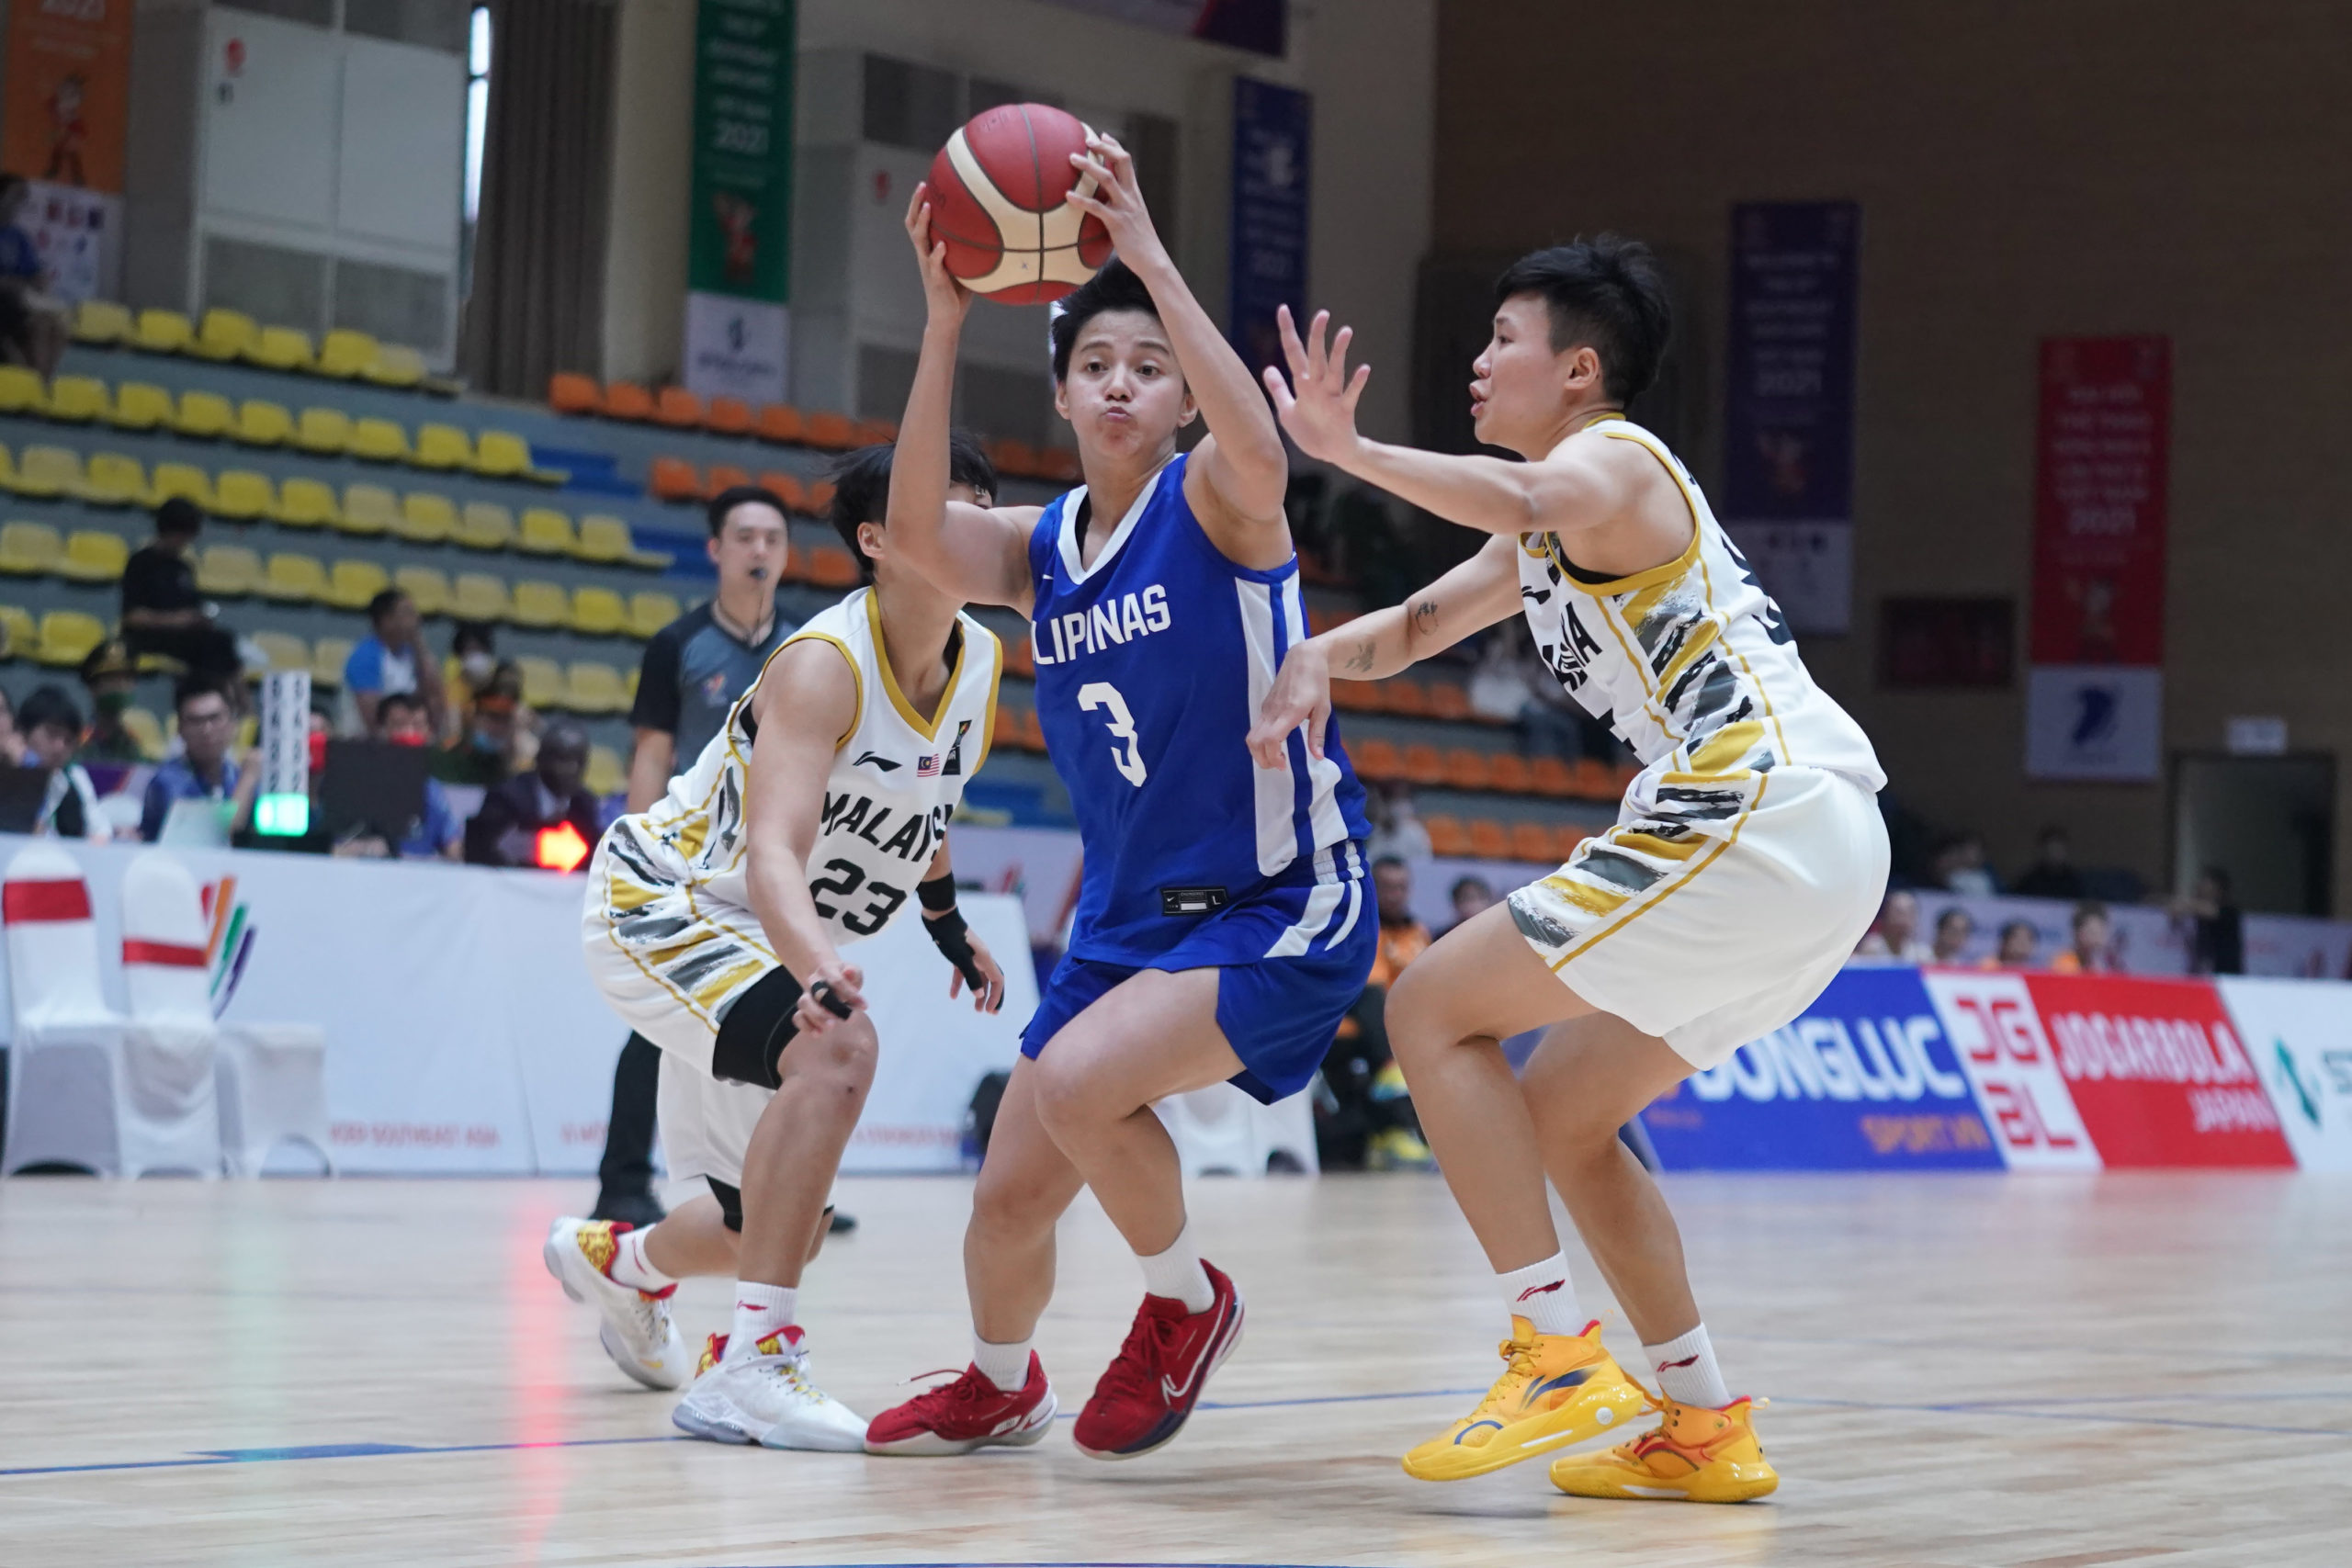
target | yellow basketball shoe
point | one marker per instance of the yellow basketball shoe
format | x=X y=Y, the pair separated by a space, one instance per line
x=1557 y=1389
x=1696 y=1455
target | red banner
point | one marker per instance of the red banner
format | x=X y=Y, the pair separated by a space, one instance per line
x=2157 y=1073
x=67 y=91
x=2100 y=503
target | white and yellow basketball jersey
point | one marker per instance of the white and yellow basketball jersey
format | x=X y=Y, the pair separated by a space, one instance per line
x=1689 y=662
x=896 y=780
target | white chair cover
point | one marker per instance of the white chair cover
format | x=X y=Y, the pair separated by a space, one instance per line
x=1221 y=1131
x=64 y=1060
x=169 y=1113
x=273 y=1087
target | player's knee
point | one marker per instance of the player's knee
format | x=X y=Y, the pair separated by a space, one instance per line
x=844 y=1056
x=1415 y=1019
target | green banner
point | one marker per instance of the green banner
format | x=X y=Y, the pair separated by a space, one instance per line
x=740 y=239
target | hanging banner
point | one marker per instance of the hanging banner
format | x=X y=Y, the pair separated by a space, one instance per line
x=65 y=98
x=739 y=249
x=1788 y=494
x=1273 y=153
x=2094 y=699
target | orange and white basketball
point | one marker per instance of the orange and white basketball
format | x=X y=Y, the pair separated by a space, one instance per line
x=998 y=200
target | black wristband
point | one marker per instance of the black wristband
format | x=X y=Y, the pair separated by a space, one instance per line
x=938 y=895
x=953 y=940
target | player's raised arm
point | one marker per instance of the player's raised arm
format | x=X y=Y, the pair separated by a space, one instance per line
x=1241 y=459
x=977 y=554
x=807 y=705
x=1472 y=597
x=1578 y=486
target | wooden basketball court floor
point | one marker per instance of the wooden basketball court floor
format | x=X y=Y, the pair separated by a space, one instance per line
x=2027 y=1373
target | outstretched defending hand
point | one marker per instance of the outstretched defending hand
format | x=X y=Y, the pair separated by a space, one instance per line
x=942 y=292
x=1118 y=202
x=1301 y=695
x=1318 y=406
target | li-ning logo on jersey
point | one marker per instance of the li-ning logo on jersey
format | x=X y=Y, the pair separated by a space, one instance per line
x=1081 y=632
x=880 y=760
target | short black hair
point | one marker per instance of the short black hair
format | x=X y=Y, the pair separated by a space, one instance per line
x=2010 y=928
x=409 y=700
x=1607 y=292
x=1116 y=287
x=191 y=687
x=475 y=634
x=566 y=734
x=862 y=486
x=179 y=518
x=733 y=496
x=1953 y=913
x=50 y=706
x=384 y=604
x=2089 y=909
x=1396 y=860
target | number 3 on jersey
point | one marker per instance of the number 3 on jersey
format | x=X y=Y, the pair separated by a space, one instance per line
x=1128 y=753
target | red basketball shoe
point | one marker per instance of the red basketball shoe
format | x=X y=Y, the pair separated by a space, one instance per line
x=970 y=1413
x=1149 y=1390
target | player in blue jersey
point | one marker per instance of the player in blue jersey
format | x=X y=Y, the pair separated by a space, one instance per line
x=1224 y=922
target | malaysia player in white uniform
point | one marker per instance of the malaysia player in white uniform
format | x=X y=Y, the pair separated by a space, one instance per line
x=1747 y=859
x=816 y=815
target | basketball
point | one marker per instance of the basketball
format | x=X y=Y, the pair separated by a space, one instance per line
x=997 y=201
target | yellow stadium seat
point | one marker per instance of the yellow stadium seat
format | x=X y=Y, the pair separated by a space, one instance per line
x=294 y=578
x=395 y=365
x=440 y=446
x=146 y=729
x=185 y=481
x=102 y=323
x=546 y=532
x=367 y=509
x=502 y=454
x=379 y=440
x=77 y=399
x=241 y=495
x=20 y=633
x=328 y=656
x=261 y=422
x=324 y=431
x=279 y=348
x=425 y=517
x=205 y=416
x=162 y=331
x=485 y=525
x=49 y=471
x=478 y=596
x=541 y=604
x=594 y=687
x=229 y=570
x=345 y=352
x=351 y=583
x=140 y=406
x=29 y=549
x=223 y=335
x=542 y=681
x=605 y=774
x=114 y=478
x=67 y=637
x=21 y=390
x=603 y=538
x=427 y=586
x=630 y=685
x=93 y=556
x=598 y=612
x=284 y=652
x=649 y=613
x=306 y=503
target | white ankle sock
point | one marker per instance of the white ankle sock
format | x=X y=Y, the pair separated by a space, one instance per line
x=1544 y=1295
x=1007 y=1366
x=630 y=1266
x=1177 y=1273
x=760 y=1311
x=1686 y=1369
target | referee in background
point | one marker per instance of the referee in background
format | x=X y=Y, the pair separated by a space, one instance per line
x=694 y=669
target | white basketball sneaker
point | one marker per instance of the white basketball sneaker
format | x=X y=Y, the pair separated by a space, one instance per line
x=637 y=1332
x=766 y=1398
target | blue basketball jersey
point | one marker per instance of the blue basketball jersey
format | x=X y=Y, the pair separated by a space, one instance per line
x=1150 y=666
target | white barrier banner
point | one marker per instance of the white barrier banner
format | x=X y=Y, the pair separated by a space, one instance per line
x=2299 y=1033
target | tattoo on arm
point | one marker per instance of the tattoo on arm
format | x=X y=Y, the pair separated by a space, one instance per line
x=1361 y=660
x=1425 y=617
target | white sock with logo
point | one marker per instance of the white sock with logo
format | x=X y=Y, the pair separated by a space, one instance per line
x=631 y=1268
x=1007 y=1366
x=760 y=1311
x=1686 y=1369
x=1544 y=1295
x=1177 y=1273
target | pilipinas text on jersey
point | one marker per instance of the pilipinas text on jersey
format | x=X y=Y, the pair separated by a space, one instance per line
x=1152 y=663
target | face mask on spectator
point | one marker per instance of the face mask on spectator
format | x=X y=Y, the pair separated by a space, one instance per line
x=318 y=751
x=478 y=667
x=113 y=705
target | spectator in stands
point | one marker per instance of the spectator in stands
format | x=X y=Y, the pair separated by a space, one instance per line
x=1955 y=930
x=51 y=726
x=392 y=658
x=1397 y=830
x=1371 y=1120
x=2217 y=926
x=2092 y=949
x=506 y=830
x=162 y=612
x=112 y=677
x=1470 y=896
x=474 y=646
x=1895 y=938
x=2019 y=940
x=12 y=745
x=436 y=834
x=2053 y=874
x=34 y=323
x=1960 y=867
x=203 y=770
x=492 y=746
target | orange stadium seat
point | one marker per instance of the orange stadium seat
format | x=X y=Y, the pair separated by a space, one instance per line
x=1007 y=733
x=1595 y=780
x=1424 y=764
x=1531 y=840
x=725 y=476
x=627 y=400
x=779 y=423
x=1466 y=768
x=1551 y=776
x=1059 y=464
x=673 y=479
x=833 y=432
x=785 y=488
x=1507 y=772
x=1447 y=836
x=873 y=432
x=1406 y=696
x=1448 y=700
x=1017 y=458
x=1565 y=838
x=1020 y=658
x=729 y=416
x=1358 y=697
x=677 y=408
x=1377 y=759
x=1488 y=840
x=830 y=566
x=821 y=497
x=570 y=393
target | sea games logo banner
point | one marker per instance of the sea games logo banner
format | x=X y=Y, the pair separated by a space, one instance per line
x=1991 y=1020
x=2158 y=1073
x=1866 y=1079
x=2299 y=1033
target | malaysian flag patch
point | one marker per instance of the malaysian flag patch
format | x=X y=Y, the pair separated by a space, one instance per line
x=927 y=767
